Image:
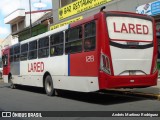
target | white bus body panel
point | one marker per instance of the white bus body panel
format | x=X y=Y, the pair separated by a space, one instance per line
x=5 y=78
x=83 y=84
x=131 y=59
x=58 y=68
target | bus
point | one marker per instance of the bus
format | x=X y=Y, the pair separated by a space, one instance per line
x=107 y=50
x=1 y=71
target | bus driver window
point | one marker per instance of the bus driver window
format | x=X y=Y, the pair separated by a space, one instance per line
x=90 y=36
x=87 y=45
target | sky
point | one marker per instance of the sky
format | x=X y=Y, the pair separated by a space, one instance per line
x=8 y=6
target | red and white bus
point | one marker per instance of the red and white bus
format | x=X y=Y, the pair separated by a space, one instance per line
x=107 y=50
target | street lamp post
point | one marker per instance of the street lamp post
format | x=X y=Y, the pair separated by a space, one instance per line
x=30 y=18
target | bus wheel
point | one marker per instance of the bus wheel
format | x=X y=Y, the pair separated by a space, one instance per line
x=12 y=85
x=49 y=86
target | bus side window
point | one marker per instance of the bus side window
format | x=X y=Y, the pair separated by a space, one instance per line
x=43 y=47
x=32 y=50
x=24 y=52
x=56 y=44
x=90 y=36
x=11 y=59
x=73 y=40
x=16 y=53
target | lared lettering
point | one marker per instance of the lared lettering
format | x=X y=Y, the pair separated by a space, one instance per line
x=42 y=66
x=124 y=28
x=131 y=28
x=114 y=24
x=29 y=70
x=145 y=29
x=36 y=67
x=139 y=28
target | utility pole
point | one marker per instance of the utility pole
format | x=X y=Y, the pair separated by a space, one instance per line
x=30 y=18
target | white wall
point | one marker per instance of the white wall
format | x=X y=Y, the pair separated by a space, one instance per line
x=34 y=16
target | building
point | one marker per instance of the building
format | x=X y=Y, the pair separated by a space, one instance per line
x=64 y=10
x=1 y=40
x=40 y=26
x=21 y=21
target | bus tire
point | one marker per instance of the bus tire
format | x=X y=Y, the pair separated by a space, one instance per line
x=49 y=86
x=12 y=85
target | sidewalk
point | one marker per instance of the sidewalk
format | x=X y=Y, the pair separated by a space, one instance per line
x=149 y=92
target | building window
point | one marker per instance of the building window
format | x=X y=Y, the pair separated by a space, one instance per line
x=73 y=40
x=14 y=28
x=24 y=52
x=32 y=50
x=16 y=53
x=90 y=36
x=43 y=47
x=56 y=44
x=21 y=25
x=65 y=2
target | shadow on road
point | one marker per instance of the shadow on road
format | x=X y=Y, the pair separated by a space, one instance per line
x=106 y=98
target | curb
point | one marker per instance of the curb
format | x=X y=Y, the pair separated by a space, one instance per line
x=134 y=94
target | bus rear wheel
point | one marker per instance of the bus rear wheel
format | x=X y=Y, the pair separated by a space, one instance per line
x=49 y=86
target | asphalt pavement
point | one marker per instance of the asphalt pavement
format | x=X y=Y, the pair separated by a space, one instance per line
x=149 y=92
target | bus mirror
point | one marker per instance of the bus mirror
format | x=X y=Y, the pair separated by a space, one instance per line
x=102 y=8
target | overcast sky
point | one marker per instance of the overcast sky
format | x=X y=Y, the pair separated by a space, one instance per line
x=8 y=6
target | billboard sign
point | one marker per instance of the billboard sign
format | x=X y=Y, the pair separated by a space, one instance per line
x=151 y=9
x=65 y=23
x=79 y=6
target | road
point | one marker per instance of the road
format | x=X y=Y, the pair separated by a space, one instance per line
x=35 y=99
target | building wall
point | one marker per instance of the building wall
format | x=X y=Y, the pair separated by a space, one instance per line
x=7 y=41
x=1 y=41
x=115 y=5
x=35 y=16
